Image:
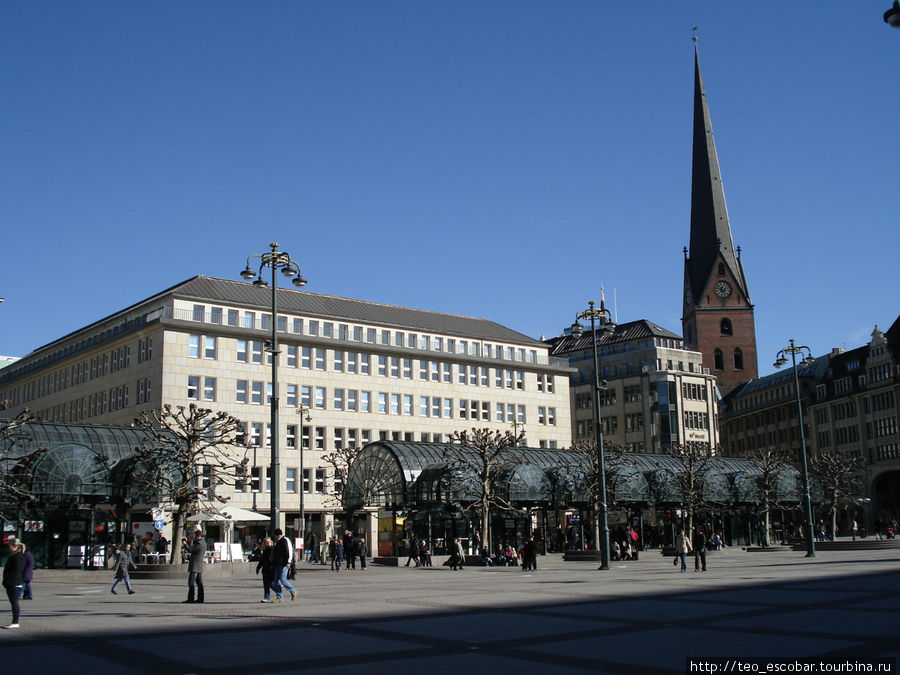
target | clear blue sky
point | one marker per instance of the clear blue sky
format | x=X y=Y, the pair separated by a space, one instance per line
x=496 y=159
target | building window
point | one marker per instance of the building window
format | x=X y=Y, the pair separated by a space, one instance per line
x=209 y=389
x=194 y=346
x=320 y=481
x=738 y=359
x=290 y=480
x=193 y=388
x=725 y=327
x=719 y=360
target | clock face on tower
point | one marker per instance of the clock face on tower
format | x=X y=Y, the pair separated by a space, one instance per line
x=723 y=289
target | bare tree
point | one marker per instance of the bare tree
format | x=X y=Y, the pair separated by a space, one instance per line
x=16 y=495
x=768 y=464
x=187 y=455
x=840 y=474
x=694 y=464
x=493 y=452
x=614 y=460
x=340 y=460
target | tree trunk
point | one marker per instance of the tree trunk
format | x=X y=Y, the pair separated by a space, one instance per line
x=177 y=527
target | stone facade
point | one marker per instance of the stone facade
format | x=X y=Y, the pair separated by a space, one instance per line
x=364 y=371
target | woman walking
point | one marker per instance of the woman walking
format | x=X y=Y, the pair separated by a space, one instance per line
x=13 y=578
x=682 y=548
x=268 y=571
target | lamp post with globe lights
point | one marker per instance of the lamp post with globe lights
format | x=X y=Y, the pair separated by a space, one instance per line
x=276 y=260
x=604 y=318
x=781 y=359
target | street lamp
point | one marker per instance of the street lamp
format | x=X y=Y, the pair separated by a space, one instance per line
x=602 y=316
x=781 y=359
x=276 y=260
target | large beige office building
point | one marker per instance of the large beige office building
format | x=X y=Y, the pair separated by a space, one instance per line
x=365 y=371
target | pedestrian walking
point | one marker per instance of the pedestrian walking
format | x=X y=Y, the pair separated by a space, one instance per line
x=313 y=548
x=196 y=561
x=413 y=551
x=361 y=551
x=27 y=575
x=349 y=552
x=265 y=566
x=13 y=576
x=854 y=528
x=338 y=553
x=682 y=548
x=699 y=545
x=457 y=557
x=120 y=569
x=529 y=556
x=332 y=550
x=282 y=555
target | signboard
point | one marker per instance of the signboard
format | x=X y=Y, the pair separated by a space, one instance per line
x=34 y=525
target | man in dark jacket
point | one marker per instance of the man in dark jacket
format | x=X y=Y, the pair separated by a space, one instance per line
x=699 y=550
x=282 y=555
x=349 y=550
x=197 y=552
x=361 y=551
x=120 y=569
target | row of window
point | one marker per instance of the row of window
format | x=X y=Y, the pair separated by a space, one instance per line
x=344 y=361
x=340 y=331
x=78 y=373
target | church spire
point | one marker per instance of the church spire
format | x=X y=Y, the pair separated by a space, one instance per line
x=710 y=226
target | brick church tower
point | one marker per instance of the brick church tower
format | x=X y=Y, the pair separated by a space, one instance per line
x=717 y=316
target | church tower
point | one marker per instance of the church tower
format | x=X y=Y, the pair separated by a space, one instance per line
x=717 y=316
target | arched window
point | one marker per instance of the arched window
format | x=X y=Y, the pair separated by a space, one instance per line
x=725 y=327
x=719 y=359
x=738 y=359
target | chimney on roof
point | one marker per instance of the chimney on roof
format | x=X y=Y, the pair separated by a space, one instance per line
x=837 y=350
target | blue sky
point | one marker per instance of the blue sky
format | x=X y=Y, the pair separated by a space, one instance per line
x=496 y=159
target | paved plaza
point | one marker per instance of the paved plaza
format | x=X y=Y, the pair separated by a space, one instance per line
x=643 y=616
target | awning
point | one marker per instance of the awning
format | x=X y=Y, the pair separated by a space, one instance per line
x=230 y=513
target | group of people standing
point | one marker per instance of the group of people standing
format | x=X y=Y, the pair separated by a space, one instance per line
x=18 y=573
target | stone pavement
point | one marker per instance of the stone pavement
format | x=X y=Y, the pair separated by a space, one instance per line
x=643 y=616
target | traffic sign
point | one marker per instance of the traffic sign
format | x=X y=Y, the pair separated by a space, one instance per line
x=159 y=525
